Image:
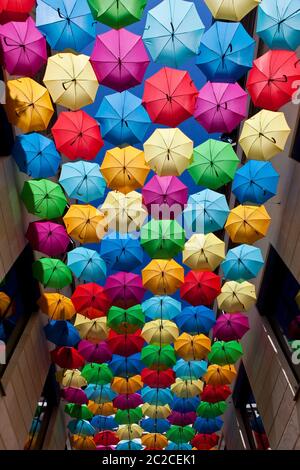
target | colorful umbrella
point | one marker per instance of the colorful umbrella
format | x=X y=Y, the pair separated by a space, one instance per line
x=81 y=427
x=129 y=445
x=124 y=212
x=123 y=118
x=126 y=366
x=92 y=352
x=61 y=333
x=70 y=378
x=156 y=411
x=247 y=224
x=211 y=410
x=106 y=438
x=124 y=289
x=130 y=416
x=125 y=344
x=95 y=330
x=103 y=423
x=18 y=8
x=85 y=223
x=165 y=196
x=52 y=273
x=67 y=357
x=182 y=419
x=191 y=348
x=78 y=411
x=187 y=388
x=100 y=393
x=125 y=402
x=117 y=13
x=158 y=378
x=133 y=431
x=121 y=252
x=203 y=252
x=213 y=394
x=154 y=441
x=126 y=321
x=82 y=442
x=170 y=96
x=157 y=425
x=173 y=446
x=196 y=320
x=127 y=385
x=231 y=10
x=88 y=299
x=187 y=370
x=48 y=237
x=74 y=395
x=223 y=353
x=44 y=198
x=163 y=276
x=86 y=265
x=219 y=375
x=200 y=287
x=221 y=107
x=162 y=239
x=159 y=358
x=104 y=409
x=237 y=296
x=204 y=441
x=160 y=332
x=173 y=32
x=231 y=326
x=242 y=263
x=98 y=374
x=180 y=434
x=82 y=181
x=157 y=396
x=56 y=306
x=162 y=307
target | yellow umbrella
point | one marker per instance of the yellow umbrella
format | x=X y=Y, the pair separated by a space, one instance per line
x=124 y=169
x=264 y=135
x=187 y=388
x=237 y=296
x=156 y=411
x=247 y=224
x=128 y=432
x=231 y=10
x=168 y=152
x=82 y=442
x=127 y=385
x=203 y=252
x=163 y=277
x=154 y=441
x=94 y=331
x=70 y=378
x=192 y=348
x=85 y=223
x=56 y=306
x=219 y=375
x=160 y=332
x=124 y=212
x=71 y=80
x=28 y=105
x=5 y=302
x=104 y=409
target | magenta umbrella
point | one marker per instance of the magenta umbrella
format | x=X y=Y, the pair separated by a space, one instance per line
x=92 y=352
x=125 y=402
x=182 y=419
x=220 y=107
x=231 y=326
x=105 y=447
x=24 y=47
x=163 y=193
x=119 y=59
x=124 y=289
x=48 y=237
x=74 y=395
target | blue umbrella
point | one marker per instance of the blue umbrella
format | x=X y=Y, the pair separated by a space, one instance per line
x=184 y=446
x=188 y=370
x=67 y=24
x=123 y=118
x=163 y=307
x=155 y=425
x=129 y=445
x=87 y=265
x=173 y=32
x=278 y=23
x=242 y=263
x=121 y=251
x=81 y=427
x=104 y=423
x=185 y=405
x=123 y=366
x=195 y=320
x=157 y=396
x=226 y=52
x=61 y=333
x=255 y=182
x=208 y=425
x=206 y=212
x=100 y=393
x=36 y=155
x=83 y=181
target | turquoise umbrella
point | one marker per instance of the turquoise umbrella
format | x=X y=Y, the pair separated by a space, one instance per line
x=157 y=396
x=242 y=263
x=100 y=393
x=189 y=370
x=87 y=265
x=161 y=307
x=83 y=181
x=81 y=427
x=129 y=445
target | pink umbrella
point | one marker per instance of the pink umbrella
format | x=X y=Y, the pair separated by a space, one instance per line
x=48 y=237
x=74 y=395
x=220 y=107
x=24 y=47
x=119 y=59
x=125 y=402
x=231 y=326
x=92 y=352
x=182 y=419
x=105 y=447
x=163 y=193
x=124 y=289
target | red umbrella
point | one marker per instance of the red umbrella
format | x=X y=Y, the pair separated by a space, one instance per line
x=205 y=441
x=215 y=393
x=67 y=358
x=94 y=352
x=15 y=10
x=77 y=135
x=200 y=287
x=125 y=402
x=158 y=378
x=271 y=81
x=182 y=419
x=125 y=345
x=170 y=96
x=106 y=438
x=91 y=300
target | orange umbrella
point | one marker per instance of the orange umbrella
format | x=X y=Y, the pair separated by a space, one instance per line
x=154 y=441
x=163 y=277
x=104 y=409
x=56 y=306
x=192 y=348
x=247 y=224
x=127 y=385
x=85 y=223
x=220 y=375
x=5 y=302
x=82 y=442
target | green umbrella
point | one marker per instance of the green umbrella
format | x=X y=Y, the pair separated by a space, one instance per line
x=130 y=320
x=78 y=411
x=162 y=239
x=225 y=352
x=98 y=374
x=44 y=198
x=159 y=357
x=211 y=410
x=180 y=434
x=214 y=164
x=130 y=416
x=117 y=13
x=52 y=273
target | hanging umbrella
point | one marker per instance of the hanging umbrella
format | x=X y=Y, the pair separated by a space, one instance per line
x=192 y=347
x=208 y=425
x=103 y=423
x=82 y=442
x=74 y=395
x=231 y=10
x=187 y=388
x=163 y=307
x=242 y=263
x=98 y=374
x=92 y=352
x=104 y=409
x=211 y=410
x=173 y=446
x=156 y=411
x=125 y=402
x=61 y=333
x=126 y=321
x=117 y=13
x=70 y=378
x=237 y=296
x=165 y=196
x=159 y=358
x=231 y=326
x=163 y=276
x=85 y=223
x=277 y=24
x=218 y=375
x=173 y=32
x=170 y=96
x=133 y=431
x=221 y=107
x=44 y=198
x=129 y=445
x=196 y=320
x=94 y=331
x=157 y=425
x=203 y=252
x=124 y=212
x=200 y=287
x=133 y=415
x=154 y=441
x=127 y=385
x=157 y=396
x=119 y=59
x=17 y=8
x=82 y=427
x=123 y=119
x=184 y=405
x=180 y=434
x=66 y=24
x=223 y=353
x=82 y=181
x=160 y=332
x=125 y=345
x=100 y=393
x=48 y=237
x=247 y=224
x=89 y=299
x=158 y=378
x=213 y=394
x=23 y=47
x=124 y=169
x=163 y=239
x=86 y=265
x=52 y=273
x=124 y=289
x=56 y=306
x=264 y=135
x=67 y=357
x=126 y=366
x=106 y=438
x=214 y=164
x=189 y=369
x=121 y=251
x=78 y=411
x=204 y=441
x=28 y=105
x=71 y=80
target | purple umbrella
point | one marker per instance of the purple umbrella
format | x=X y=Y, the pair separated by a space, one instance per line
x=92 y=352
x=182 y=419
x=124 y=289
x=24 y=47
x=163 y=193
x=119 y=59
x=220 y=107
x=231 y=326
x=48 y=237
x=74 y=395
x=125 y=402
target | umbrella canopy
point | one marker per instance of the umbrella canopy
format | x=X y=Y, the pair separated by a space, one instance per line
x=196 y=320
x=200 y=287
x=125 y=402
x=242 y=263
x=71 y=80
x=66 y=24
x=157 y=396
x=52 y=273
x=255 y=182
x=247 y=224
x=18 y=8
x=28 y=105
x=165 y=196
x=36 y=155
x=94 y=352
x=124 y=169
x=170 y=96
x=119 y=59
x=70 y=378
x=77 y=135
x=211 y=410
x=86 y=265
x=192 y=347
x=127 y=385
x=117 y=13
x=103 y=423
x=126 y=321
x=182 y=419
x=229 y=327
x=158 y=378
x=156 y=411
x=48 y=237
x=130 y=416
x=237 y=296
x=163 y=276
x=173 y=32
x=203 y=252
x=204 y=441
x=90 y=298
x=56 y=306
x=78 y=411
x=189 y=370
x=133 y=431
x=162 y=307
x=231 y=10
x=67 y=357
x=160 y=332
x=124 y=289
x=157 y=425
x=106 y=438
x=124 y=212
x=123 y=118
x=159 y=358
x=85 y=223
x=126 y=344
x=121 y=251
x=264 y=135
x=129 y=445
x=104 y=409
x=214 y=164
x=98 y=374
x=61 y=333
x=173 y=446
x=226 y=52
x=74 y=395
x=215 y=393
x=221 y=107
x=223 y=353
x=126 y=366
x=82 y=181
x=187 y=388
x=44 y=198
x=154 y=441
x=184 y=405
x=162 y=239
x=180 y=434
x=219 y=375
x=95 y=331
x=82 y=442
